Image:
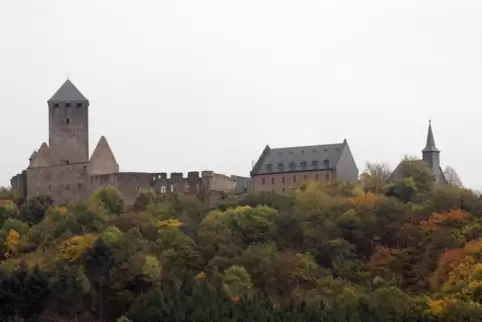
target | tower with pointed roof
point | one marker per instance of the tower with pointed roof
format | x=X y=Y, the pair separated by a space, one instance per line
x=430 y=153
x=63 y=170
x=69 y=125
x=430 y=159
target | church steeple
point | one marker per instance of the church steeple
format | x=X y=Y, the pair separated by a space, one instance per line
x=430 y=146
x=431 y=154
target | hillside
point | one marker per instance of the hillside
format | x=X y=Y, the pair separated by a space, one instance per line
x=371 y=251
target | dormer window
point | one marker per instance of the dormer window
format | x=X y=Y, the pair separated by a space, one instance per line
x=314 y=164
x=303 y=164
x=269 y=167
x=292 y=165
x=326 y=163
x=56 y=105
x=281 y=166
x=67 y=105
x=79 y=105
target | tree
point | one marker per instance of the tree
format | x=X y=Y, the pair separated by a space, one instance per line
x=375 y=176
x=33 y=211
x=452 y=176
x=107 y=199
x=237 y=283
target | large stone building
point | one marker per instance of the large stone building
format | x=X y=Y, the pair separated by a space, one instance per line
x=281 y=168
x=430 y=159
x=62 y=168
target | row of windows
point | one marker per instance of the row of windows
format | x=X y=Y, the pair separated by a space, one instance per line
x=283 y=180
x=303 y=165
x=68 y=105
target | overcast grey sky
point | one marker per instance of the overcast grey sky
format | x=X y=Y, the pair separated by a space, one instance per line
x=193 y=85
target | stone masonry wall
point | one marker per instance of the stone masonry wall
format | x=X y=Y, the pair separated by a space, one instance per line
x=63 y=183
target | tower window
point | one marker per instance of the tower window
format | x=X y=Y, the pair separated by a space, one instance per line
x=67 y=104
x=67 y=120
x=79 y=105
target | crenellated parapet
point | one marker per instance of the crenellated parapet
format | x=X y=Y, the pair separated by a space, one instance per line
x=130 y=184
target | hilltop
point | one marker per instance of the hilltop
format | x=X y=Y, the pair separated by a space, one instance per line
x=376 y=250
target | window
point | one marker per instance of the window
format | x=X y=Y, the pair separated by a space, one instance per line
x=292 y=166
x=197 y=186
x=327 y=176
x=79 y=186
x=283 y=189
x=163 y=189
x=67 y=162
x=294 y=178
x=79 y=105
x=314 y=164
x=137 y=188
x=263 y=181
x=67 y=120
x=269 y=167
x=272 y=180
x=136 y=178
x=56 y=105
x=186 y=188
x=326 y=163
x=50 y=188
x=171 y=188
x=317 y=177
x=303 y=164
x=67 y=186
x=67 y=105
x=281 y=166
x=282 y=179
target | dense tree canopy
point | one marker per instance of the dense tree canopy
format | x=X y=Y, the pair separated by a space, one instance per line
x=405 y=250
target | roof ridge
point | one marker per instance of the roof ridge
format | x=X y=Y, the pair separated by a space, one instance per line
x=306 y=146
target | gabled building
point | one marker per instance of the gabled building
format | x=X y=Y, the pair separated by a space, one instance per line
x=430 y=159
x=282 y=168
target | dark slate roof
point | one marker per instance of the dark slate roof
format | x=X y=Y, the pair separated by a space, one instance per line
x=438 y=173
x=430 y=146
x=300 y=158
x=67 y=93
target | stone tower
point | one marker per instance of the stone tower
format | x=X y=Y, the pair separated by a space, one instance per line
x=430 y=153
x=69 y=125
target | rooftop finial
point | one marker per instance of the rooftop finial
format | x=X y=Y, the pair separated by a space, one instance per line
x=67 y=76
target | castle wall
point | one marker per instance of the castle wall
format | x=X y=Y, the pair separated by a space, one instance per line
x=63 y=183
x=130 y=184
x=19 y=184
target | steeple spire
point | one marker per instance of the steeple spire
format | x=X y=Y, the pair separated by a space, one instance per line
x=430 y=146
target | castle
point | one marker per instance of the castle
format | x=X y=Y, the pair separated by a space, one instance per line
x=62 y=168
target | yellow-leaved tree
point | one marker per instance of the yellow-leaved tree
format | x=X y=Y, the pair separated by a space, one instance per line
x=12 y=244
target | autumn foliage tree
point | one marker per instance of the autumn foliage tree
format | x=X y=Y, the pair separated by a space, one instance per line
x=402 y=249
